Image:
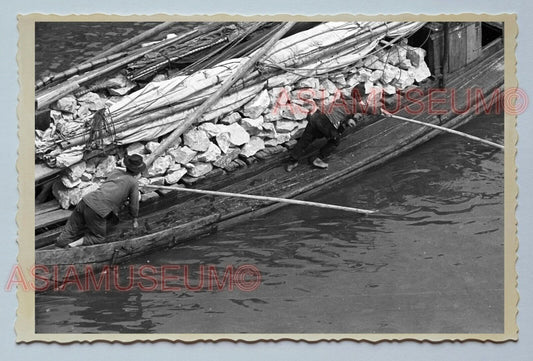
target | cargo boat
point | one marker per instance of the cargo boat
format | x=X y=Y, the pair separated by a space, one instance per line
x=465 y=57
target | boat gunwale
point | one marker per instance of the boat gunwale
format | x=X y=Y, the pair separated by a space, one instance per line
x=221 y=221
x=217 y=221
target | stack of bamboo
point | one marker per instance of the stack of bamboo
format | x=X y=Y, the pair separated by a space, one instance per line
x=258 y=116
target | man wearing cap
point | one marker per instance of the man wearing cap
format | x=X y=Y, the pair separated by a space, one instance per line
x=92 y=213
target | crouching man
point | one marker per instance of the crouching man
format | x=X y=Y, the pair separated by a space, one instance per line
x=329 y=124
x=91 y=216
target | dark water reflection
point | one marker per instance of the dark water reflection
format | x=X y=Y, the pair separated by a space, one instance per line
x=430 y=261
x=60 y=45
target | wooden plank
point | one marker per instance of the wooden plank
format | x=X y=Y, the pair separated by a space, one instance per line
x=435 y=54
x=411 y=140
x=457 y=48
x=47 y=238
x=50 y=218
x=42 y=171
x=57 y=272
x=473 y=42
x=371 y=146
x=150 y=206
x=366 y=138
x=101 y=255
x=104 y=252
x=366 y=151
x=41 y=208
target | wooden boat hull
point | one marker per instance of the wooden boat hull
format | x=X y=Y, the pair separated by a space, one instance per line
x=189 y=216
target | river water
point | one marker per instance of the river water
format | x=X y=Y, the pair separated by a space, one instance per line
x=430 y=261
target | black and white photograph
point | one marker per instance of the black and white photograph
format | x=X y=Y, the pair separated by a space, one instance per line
x=272 y=179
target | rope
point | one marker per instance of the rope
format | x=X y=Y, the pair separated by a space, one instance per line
x=102 y=126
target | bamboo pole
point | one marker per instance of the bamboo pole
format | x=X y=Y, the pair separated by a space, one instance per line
x=298 y=64
x=240 y=48
x=152 y=116
x=128 y=123
x=171 y=139
x=342 y=44
x=133 y=41
x=444 y=129
x=264 y=198
x=77 y=69
x=46 y=98
x=172 y=109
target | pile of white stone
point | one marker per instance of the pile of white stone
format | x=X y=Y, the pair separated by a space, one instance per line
x=271 y=119
x=398 y=68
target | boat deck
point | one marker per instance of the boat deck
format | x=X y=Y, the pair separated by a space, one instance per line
x=177 y=217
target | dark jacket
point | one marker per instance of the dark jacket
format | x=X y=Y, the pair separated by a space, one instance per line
x=342 y=110
x=117 y=188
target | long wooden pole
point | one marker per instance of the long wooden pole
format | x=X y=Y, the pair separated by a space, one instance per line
x=77 y=69
x=171 y=139
x=264 y=198
x=106 y=56
x=134 y=41
x=444 y=129
x=47 y=97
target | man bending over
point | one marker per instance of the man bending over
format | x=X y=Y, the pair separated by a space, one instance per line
x=92 y=214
